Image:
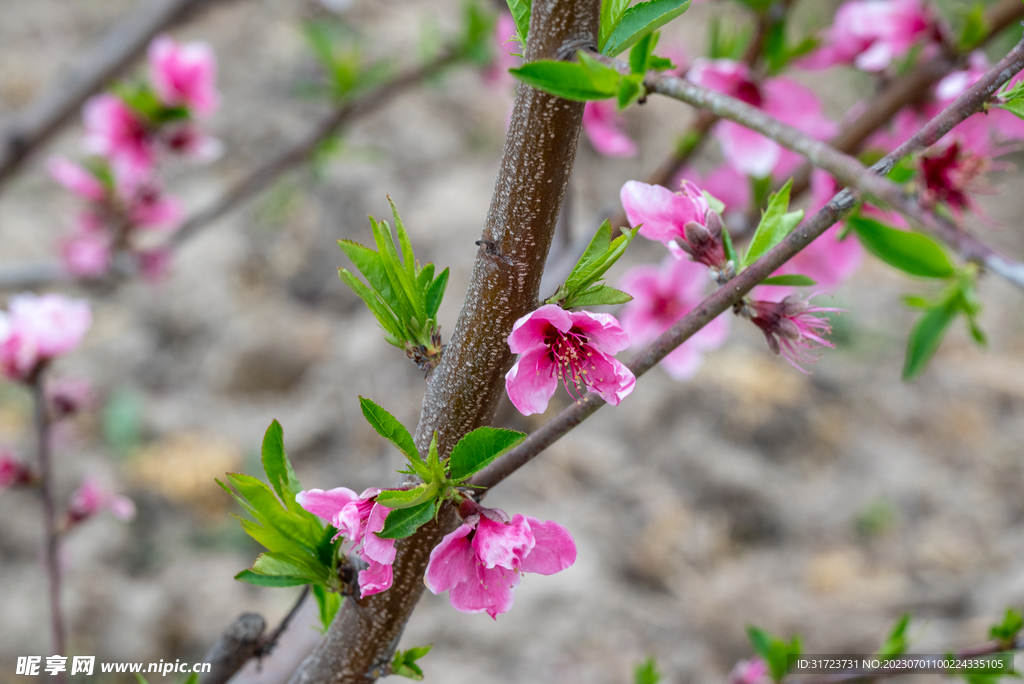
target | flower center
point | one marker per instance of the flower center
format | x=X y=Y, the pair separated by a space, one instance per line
x=573 y=360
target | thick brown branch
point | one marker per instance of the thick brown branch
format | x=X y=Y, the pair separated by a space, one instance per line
x=733 y=291
x=30 y=128
x=241 y=641
x=463 y=390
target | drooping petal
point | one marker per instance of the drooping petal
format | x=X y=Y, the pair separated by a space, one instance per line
x=611 y=379
x=375 y=548
x=485 y=591
x=375 y=579
x=452 y=561
x=554 y=551
x=502 y=544
x=531 y=382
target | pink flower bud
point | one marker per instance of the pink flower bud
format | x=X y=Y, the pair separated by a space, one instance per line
x=92 y=498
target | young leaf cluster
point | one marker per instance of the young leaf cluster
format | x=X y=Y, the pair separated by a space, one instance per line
x=300 y=549
x=404 y=662
x=439 y=479
x=776 y=223
x=341 y=57
x=647 y=672
x=919 y=255
x=622 y=28
x=776 y=653
x=896 y=642
x=403 y=296
x=584 y=286
x=1006 y=632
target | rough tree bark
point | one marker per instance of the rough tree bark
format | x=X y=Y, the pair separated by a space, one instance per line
x=463 y=390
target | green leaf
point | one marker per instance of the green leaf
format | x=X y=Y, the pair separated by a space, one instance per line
x=394 y=330
x=595 y=262
x=647 y=672
x=269 y=511
x=400 y=281
x=328 y=602
x=250 y=577
x=1015 y=106
x=792 y=280
x=776 y=652
x=916 y=302
x=640 y=20
x=730 y=251
x=975 y=27
x=521 y=13
x=1006 y=631
x=478 y=448
x=404 y=242
x=404 y=662
x=716 y=205
x=192 y=679
x=896 y=643
x=370 y=265
x=630 y=90
x=569 y=80
x=775 y=225
x=640 y=54
x=912 y=253
x=388 y=427
x=926 y=337
x=405 y=521
x=397 y=499
x=599 y=295
x=435 y=293
x=278 y=469
x=611 y=15
x=284 y=565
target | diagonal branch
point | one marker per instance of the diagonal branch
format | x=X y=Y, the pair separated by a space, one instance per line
x=464 y=389
x=732 y=292
x=33 y=126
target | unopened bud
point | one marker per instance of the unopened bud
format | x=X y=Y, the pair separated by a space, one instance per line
x=705 y=241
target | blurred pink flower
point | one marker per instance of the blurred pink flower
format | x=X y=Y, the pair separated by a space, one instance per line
x=154 y=264
x=92 y=498
x=574 y=347
x=114 y=131
x=794 y=104
x=753 y=671
x=147 y=206
x=67 y=396
x=872 y=33
x=184 y=75
x=725 y=184
x=86 y=251
x=480 y=563
x=661 y=296
x=791 y=327
x=496 y=74
x=663 y=213
x=13 y=470
x=949 y=175
x=192 y=142
x=39 y=328
x=603 y=127
x=76 y=178
x=358 y=518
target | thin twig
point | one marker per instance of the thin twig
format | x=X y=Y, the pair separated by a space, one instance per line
x=723 y=298
x=31 y=127
x=51 y=535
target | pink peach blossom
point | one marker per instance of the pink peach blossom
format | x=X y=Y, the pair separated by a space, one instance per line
x=663 y=213
x=154 y=264
x=358 y=518
x=603 y=128
x=92 y=498
x=792 y=103
x=13 y=471
x=872 y=33
x=114 y=131
x=791 y=328
x=148 y=207
x=753 y=671
x=86 y=252
x=480 y=563
x=184 y=75
x=76 y=178
x=67 y=396
x=574 y=347
x=661 y=296
x=40 y=328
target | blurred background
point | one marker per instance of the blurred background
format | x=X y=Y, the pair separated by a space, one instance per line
x=825 y=505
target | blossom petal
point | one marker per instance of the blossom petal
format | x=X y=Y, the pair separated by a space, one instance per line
x=452 y=561
x=502 y=544
x=327 y=504
x=529 y=331
x=531 y=382
x=375 y=579
x=485 y=591
x=612 y=380
x=748 y=152
x=602 y=330
x=554 y=551
x=377 y=549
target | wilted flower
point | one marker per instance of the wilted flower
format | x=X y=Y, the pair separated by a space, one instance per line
x=574 y=347
x=660 y=298
x=872 y=33
x=184 y=75
x=358 y=518
x=92 y=498
x=791 y=327
x=791 y=103
x=603 y=128
x=480 y=563
x=39 y=328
